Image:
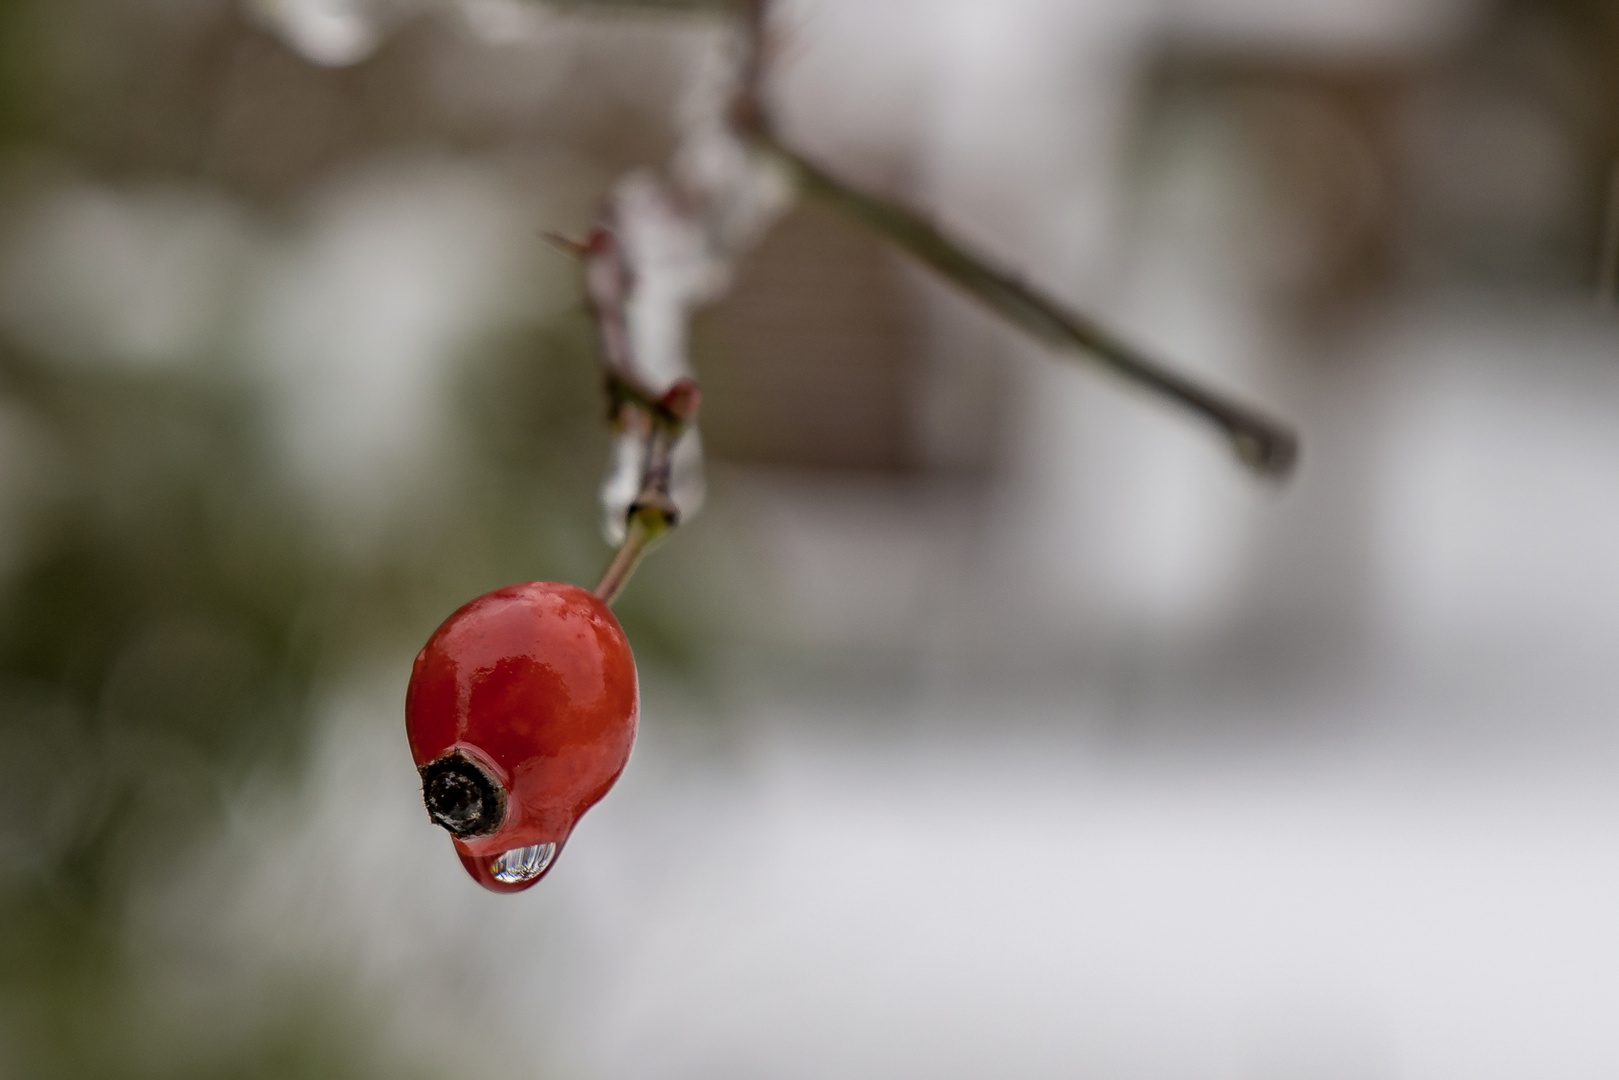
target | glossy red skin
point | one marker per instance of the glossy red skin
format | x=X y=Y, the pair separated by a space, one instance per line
x=537 y=681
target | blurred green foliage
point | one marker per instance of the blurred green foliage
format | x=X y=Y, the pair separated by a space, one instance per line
x=172 y=603
x=157 y=643
x=167 y=623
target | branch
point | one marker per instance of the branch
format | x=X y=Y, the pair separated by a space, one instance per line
x=651 y=424
x=1265 y=445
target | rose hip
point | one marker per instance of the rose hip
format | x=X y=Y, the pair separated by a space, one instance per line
x=521 y=713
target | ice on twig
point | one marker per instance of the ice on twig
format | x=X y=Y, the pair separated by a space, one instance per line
x=666 y=246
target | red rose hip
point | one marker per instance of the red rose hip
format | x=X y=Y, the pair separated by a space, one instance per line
x=521 y=714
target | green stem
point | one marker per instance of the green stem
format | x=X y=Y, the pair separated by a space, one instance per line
x=646 y=528
x=1268 y=447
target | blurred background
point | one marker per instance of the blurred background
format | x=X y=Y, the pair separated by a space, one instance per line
x=995 y=724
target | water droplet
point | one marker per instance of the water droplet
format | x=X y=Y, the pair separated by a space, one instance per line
x=522 y=864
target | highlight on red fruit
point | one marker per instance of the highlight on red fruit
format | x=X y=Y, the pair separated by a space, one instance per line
x=521 y=713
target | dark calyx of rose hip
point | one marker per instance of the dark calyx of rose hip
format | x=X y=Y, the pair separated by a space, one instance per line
x=462 y=796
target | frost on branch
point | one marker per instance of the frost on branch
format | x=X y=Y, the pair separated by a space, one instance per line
x=664 y=246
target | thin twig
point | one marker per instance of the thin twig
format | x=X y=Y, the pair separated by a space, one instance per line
x=1266 y=446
